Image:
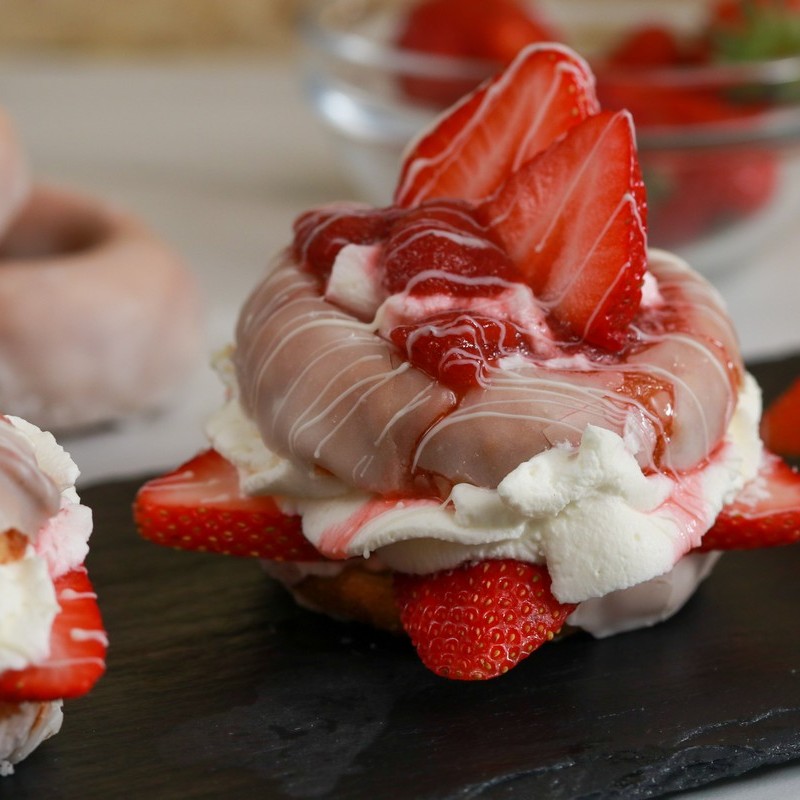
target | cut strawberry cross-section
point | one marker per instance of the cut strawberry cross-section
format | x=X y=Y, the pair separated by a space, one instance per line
x=765 y=514
x=469 y=152
x=200 y=506
x=479 y=620
x=572 y=220
x=77 y=649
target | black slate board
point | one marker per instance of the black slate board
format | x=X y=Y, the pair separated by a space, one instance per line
x=219 y=686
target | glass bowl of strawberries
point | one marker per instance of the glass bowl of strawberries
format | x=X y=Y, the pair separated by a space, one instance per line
x=713 y=86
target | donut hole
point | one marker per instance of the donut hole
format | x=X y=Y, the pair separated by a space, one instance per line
x=52 y=224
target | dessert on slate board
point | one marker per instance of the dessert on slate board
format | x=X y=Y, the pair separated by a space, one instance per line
x=52 y=642
x=486 y=411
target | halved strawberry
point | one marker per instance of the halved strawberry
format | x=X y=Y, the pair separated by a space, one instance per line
x=77 y=648
x=479 y=620
x=470 y=151
x=765 y=514
x=200 y=506
x=572 y=220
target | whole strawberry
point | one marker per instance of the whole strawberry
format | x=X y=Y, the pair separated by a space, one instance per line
x=479 y=620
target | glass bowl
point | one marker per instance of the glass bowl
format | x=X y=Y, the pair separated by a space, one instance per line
x=720 y=185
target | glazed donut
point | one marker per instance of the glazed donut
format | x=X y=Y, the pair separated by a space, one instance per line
x=14 y=179
x=324 y=388
x=98 y=318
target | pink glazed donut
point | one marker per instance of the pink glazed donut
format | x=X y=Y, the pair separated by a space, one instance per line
x=98 y=318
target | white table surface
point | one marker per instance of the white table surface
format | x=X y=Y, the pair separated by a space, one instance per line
x=219 y=157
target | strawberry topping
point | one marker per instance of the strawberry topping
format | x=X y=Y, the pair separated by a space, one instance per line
x=321 y=233
x=200 y=506
x=457 y=348
x=443 y=240
x=479 y=620
x=572 y=220
x=765 y=514
x=504 y=123
x=77 y=648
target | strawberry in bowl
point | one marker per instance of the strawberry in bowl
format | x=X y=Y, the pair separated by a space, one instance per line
x=717 y=119
x=487 y=410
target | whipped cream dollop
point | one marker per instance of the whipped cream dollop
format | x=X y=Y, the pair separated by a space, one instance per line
x=55 y=546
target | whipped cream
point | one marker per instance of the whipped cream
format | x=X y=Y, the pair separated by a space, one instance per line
x=28 y=603
x=587 y=511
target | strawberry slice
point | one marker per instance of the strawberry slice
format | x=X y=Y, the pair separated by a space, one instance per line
x=470 y=151
x=765 y=514
x=200 y=506
x=77 y=648
x=780 y=425
x=479 y=620
x=572 y=220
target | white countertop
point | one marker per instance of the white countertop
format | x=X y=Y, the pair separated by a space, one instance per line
x=219 y=158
